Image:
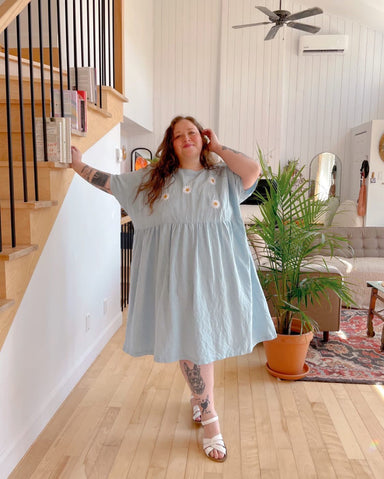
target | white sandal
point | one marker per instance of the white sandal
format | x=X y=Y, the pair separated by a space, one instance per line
x=215 y=442
x=196 y=413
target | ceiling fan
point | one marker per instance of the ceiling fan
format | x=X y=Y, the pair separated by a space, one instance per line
x=283 y=17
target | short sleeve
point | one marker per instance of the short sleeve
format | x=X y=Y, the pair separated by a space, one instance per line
x=124 y=188
x=236 y=186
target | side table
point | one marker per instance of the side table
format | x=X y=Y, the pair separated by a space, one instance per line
x=377 y=286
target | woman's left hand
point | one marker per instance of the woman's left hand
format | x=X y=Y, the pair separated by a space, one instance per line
x=213 y=144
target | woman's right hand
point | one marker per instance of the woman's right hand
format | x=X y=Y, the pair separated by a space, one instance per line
x=76 y=158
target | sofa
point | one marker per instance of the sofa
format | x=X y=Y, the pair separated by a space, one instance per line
x=360 y=259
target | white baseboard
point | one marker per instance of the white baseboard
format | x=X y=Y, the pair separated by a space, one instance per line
x=15 y=452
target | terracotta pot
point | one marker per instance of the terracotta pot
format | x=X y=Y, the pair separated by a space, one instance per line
x=286 y=355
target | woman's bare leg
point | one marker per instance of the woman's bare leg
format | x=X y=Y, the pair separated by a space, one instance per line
x=200 y=379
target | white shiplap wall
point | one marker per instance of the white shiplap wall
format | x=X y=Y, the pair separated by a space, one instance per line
x=187 y=45
x=296 y=106
x=263 y=93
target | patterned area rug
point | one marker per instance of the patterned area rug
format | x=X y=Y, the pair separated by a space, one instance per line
x=349 y=356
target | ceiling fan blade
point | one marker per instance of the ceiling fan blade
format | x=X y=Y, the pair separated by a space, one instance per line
x=271 y=15
x=304 y=27
x=251 y=25
x=305 y=13
x=272 y=32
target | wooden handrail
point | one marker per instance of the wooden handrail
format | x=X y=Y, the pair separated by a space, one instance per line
x=9 y=10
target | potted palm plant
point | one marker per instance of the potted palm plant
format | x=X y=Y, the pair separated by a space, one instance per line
x=290 y=239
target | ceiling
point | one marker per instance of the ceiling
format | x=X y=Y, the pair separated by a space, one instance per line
x=366 y=12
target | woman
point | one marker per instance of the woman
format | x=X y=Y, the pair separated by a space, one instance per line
x=195 y=297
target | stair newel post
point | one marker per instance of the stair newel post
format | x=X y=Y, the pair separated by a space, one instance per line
x=21 y=109
x=42 y=82
x=60 y=57
x=32 y=92
x=118 y=45
x=9 y=139
x=51 y=58
x=1 y=236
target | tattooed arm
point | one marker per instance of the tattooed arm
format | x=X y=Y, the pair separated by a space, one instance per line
x=247 y=168
x=96 y=177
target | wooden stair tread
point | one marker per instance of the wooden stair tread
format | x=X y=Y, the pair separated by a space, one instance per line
x=113 y=91
x=102 y=111
x=10 y=254
x=26 y=61
x=29 y=205
x=40 y=164
x=26 y=101
x=6 y=303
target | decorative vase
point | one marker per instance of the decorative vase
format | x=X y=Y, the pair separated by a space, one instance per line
x=286 y=355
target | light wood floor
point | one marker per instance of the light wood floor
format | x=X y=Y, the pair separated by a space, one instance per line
x=130 y=418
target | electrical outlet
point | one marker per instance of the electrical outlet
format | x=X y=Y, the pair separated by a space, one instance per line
x=105 y=306
x=87 y=322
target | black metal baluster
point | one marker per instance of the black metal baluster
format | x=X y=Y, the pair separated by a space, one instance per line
x=75 y=46
x=113 y=44
x=51 y=58
x=67 y=45
x=88 y=36
x=103 y=34
x=94 y=39
x=9 y=138
x=21 y=109
x=122 y=267
x=60 y=57
x=81 y=33
x=130 y=251
x=42 y=82
x=32 y=90
x=100 y=57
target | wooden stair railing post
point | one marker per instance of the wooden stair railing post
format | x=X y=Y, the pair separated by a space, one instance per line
x=118 y=45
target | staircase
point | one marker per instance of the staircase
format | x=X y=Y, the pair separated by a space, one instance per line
x=34 y=219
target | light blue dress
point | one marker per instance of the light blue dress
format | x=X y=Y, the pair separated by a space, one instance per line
x=194 y=292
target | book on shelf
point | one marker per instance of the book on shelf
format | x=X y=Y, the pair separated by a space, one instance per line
x=86 y=81
x=75 y=108
x=58 y=139
x=70 y=106
x=83 y=111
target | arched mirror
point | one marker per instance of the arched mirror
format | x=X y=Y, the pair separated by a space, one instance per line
x=325 y=176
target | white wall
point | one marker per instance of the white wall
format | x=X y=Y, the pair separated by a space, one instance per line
x=262 y=93
x=186 y=67
x=138 y=54
x=296 y=106
x=47 y=349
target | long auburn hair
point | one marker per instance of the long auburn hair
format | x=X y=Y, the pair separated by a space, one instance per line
x=160 y=173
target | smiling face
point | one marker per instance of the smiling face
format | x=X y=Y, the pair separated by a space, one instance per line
x=187 y=143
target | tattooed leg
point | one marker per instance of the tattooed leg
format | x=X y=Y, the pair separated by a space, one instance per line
x=200 y=379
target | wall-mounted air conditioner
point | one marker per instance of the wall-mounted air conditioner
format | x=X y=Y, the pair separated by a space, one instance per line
x=322 y=44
